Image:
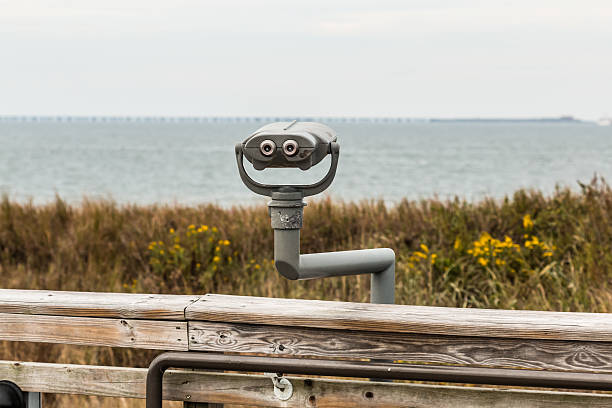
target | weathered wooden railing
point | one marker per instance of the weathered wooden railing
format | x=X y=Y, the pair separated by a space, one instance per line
x=576 y=342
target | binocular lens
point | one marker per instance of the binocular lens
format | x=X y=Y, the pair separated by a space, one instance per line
x=290 y=147
x=267 y=147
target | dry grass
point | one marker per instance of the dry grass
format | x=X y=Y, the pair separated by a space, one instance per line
x=102 y=246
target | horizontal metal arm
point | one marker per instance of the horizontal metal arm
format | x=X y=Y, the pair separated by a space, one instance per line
x=294 y=266
x=380 y=263
x=343 y=263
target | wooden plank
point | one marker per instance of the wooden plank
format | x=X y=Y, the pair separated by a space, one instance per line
x=258 y=391
x=95 y=304
x=88 y=331
x=403 y=319
x=417 y=348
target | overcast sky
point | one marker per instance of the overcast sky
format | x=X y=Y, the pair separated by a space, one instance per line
x=331 y=58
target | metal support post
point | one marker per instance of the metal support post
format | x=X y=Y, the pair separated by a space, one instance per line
x=33 y=400
x=286 y=213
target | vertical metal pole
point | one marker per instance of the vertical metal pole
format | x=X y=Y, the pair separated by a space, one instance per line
x=382 y=290
x=287 y=252
x=382 y=286
x=33 y=400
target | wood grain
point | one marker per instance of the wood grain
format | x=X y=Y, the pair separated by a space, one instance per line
x=338 y=395
x=257 y=390
x=145 y=334
x=417 y=348
x=403 y=319
x=95 y=304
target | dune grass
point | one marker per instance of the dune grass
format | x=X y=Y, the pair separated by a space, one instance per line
x=527 y=251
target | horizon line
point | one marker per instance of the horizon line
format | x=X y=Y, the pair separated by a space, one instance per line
x=278 y=118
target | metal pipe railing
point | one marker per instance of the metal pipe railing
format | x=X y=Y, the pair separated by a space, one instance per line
x=335 y=368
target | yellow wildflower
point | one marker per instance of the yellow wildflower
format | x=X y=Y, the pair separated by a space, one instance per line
x=216 y=259
x=204 y=227
x=257 y=266
x=420 y=255
x=214 y=229
x=457 y=244
x=534 y=242
x=509 y=243
x=485 y=237
x=433 y=258
x=226 y=242
x=424 y=248
x=483 y=261
x=527 y=222
x=191 y=226
x=172 y=230
x=217 y=249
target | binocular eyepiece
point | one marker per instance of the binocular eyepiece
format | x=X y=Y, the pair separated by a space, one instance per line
x=268 y=147
x=288 y=144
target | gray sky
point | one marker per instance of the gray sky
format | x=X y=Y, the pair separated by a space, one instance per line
x=331 y=58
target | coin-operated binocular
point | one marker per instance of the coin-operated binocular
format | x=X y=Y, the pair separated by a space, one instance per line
x=303 y=145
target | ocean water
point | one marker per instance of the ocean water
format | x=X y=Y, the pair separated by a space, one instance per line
x=192 y=162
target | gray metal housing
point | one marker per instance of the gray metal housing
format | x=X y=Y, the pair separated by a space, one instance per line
x=313 y=141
